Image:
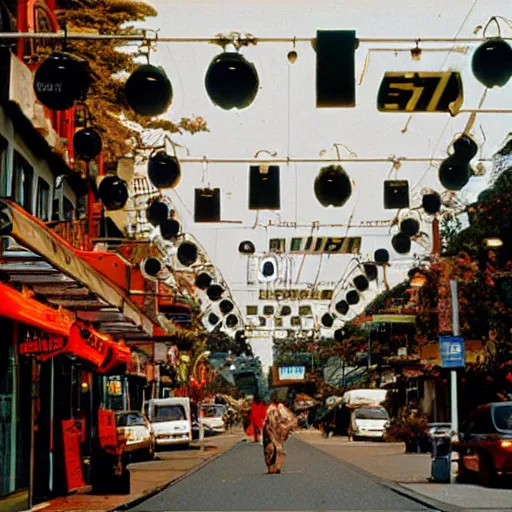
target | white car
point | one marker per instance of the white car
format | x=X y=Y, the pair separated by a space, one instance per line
x=368 y=422
x=213 y=417
x=171 y=421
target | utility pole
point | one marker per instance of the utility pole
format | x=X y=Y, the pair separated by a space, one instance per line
x=453 y=373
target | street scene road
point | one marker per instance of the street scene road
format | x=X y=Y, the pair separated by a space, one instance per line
x=311 y=480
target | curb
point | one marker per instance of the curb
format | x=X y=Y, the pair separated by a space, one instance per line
x=153 y=492
x=395 y=487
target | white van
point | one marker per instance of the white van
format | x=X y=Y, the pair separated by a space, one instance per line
x=368 y=419
x=171 y=420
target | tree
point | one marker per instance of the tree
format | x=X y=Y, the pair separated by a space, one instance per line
x=105 y=99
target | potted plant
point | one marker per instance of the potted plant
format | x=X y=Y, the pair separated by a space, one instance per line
x=410 y=427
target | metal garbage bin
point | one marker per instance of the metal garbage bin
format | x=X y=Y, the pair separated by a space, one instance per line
x=441 y=458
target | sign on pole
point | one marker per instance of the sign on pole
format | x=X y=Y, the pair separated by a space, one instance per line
x=452 y=352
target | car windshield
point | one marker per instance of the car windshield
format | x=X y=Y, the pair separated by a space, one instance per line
x=168 y=413
x=371 y=413
x=216 y=411
x=503 y=417
x=130 y=420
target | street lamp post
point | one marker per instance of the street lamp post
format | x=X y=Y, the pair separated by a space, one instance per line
x=453 y=374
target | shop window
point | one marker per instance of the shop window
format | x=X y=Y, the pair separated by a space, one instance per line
x=43 y=200
x=268 y=310
x=305 y=311
x=22 y=182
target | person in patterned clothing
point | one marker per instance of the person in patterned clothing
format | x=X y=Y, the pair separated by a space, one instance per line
x=279 y=422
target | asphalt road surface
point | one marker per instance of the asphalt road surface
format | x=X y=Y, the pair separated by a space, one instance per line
x=311 y=480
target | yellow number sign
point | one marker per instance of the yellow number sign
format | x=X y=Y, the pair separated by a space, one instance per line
x=420 y=92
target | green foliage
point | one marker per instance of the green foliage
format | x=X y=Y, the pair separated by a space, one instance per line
x=106 y=100
x=450 y=229
x=380 y=301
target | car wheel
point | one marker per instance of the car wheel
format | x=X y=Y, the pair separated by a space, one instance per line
x=486 y=470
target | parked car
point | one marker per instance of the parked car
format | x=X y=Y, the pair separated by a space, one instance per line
x=171 y=420
x=486 y=443
x=140 y=439
x=368 y=422
x=213 y=417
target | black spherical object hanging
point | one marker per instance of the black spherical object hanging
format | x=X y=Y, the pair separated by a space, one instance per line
x=327 y=320
x=465 y=147
x=401 y=243
x=381 y=256
x=152 y=266
x=226 y=306
x=370 y=270
x=113 y=192
x=352 y=297
x=231 y=81
x=246 y=247
x=87 y=144
x=214 y=292
x=164 y=171
x=203 y=280
x=492 y=62
x=148 y=91
x=169 y=229
x=410 y=226
x=454 y=173
x=286 y=311
x=361 y=283
x=333 y=186
x=231 y=321
x=187 y=253
x=431 y=203
x=339 y=335
x=342 y=307
x=240 y=336
x=157 y=212
x=61 y=80
x=268 y=269
x=213 y=319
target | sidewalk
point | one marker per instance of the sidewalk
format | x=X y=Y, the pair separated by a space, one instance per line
x=146 y=477
x=408 y=474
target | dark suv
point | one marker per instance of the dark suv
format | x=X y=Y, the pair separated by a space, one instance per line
x=486 y=443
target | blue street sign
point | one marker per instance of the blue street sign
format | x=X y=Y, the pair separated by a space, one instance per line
x=452 y=352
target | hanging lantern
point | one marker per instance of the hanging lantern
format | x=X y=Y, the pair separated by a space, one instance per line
x=164 y=171
x=410 y=226
x=431 y=203
x=361 y=283
x=333 y=186
x=213 y=319
x=381 y=256
x=226 y=306
x=231 y=81
x=152 y=266
x=454 y=173
x=169 y=229
x=187 y=253
x=203 y=280
x=214 y=292
x=339 y=335
x=352 y=297
x=148 y=91
x=61 y=80
x=401 y=243
x=246 y=247
x=286 y=311
x=342 y=307
x=240 y=336
x=492 y=62
x=87 y=144
x=157 y=212
x=268 y=269
x=113 y=192
x=231 y=321
x=327 y=320
x=370 y=269
x=465 y=147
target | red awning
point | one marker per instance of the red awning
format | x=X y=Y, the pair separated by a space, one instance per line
x=20 y=307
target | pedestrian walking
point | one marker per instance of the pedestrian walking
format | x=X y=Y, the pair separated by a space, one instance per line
x=279 y=422
x=258 y=413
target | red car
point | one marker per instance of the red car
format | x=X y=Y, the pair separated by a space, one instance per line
x=486 y=443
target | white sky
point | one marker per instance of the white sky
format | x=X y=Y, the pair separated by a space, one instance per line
x=283 y=118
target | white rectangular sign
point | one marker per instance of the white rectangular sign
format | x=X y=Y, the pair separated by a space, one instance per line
x=292 y=372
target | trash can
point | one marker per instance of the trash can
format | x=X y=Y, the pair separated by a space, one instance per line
x=441 y=458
